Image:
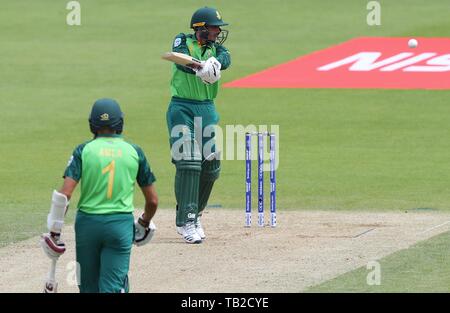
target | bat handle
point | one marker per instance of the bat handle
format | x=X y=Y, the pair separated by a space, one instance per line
x=51 y=284
x=194 y=67
x=52 y=272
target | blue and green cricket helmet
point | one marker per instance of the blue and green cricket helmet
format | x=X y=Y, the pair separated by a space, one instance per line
x=206 y=16
x=106 y=113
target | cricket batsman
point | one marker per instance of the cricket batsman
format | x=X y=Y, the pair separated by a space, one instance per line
x=193 y=93
x=105 y=229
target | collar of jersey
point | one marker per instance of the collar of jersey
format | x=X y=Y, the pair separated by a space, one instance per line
x=109 y=136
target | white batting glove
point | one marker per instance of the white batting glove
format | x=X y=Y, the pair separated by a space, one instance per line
x=210 y=72
x=144 y=231
x=213 y=61
x=52 y=245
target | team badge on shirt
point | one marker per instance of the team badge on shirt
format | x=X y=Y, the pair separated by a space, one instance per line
x=177 y=42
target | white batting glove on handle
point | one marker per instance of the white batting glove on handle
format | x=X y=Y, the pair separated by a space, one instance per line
x=214 y=62
x=52 y=245
x=210 y=72
x=143 y=232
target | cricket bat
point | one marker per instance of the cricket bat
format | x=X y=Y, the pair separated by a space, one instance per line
x=51 y=285
x=183 y=59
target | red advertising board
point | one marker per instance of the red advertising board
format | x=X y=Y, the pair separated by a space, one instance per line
x=365 y=62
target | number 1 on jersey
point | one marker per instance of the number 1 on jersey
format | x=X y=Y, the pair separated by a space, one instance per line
x=110 y=168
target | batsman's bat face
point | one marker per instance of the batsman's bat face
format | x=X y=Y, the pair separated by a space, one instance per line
x=182 y=59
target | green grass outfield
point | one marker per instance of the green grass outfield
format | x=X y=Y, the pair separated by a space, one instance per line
x=409 y=270
x=339 y=149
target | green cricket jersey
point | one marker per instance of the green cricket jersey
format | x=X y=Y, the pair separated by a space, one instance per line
x=184 y=83
x=108 y=167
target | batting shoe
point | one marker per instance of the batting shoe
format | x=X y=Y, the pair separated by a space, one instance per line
x=199 y=229
x=189 y=233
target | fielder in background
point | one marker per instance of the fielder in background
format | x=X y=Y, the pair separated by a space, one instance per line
x=193 y=93
x=105 y=229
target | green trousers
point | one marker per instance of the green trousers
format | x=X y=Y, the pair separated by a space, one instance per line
x=194 y=177
x=103 y=248
x=183 y=112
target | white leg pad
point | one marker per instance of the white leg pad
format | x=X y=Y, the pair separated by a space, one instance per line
x=55 y=219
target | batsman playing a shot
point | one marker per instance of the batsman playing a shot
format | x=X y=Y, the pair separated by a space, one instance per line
x=193 y=92
x=108 y=167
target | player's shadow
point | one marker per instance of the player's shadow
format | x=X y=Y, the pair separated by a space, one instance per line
x=169 y=241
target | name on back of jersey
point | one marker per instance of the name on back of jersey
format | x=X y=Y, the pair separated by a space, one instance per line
x=110 y=153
